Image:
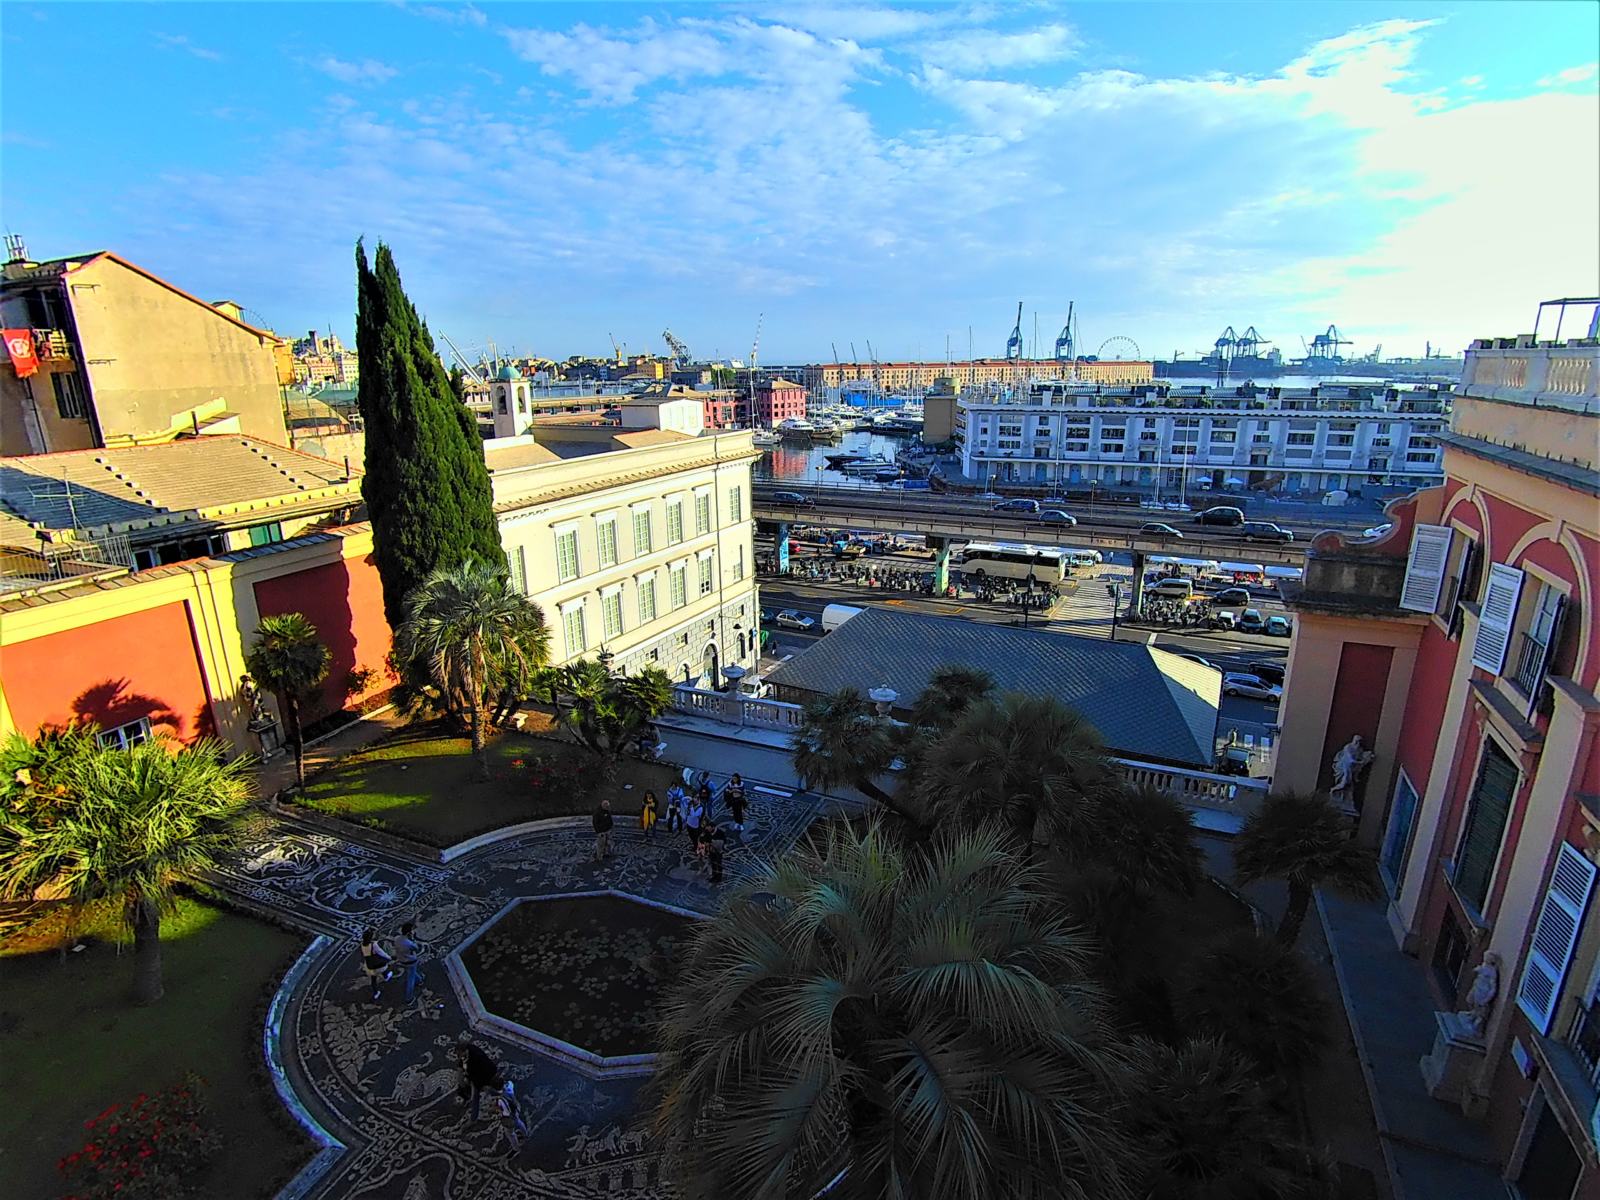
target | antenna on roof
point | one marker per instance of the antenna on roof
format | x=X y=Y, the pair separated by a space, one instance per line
x=16 y=248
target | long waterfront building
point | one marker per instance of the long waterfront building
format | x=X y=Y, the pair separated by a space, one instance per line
x=1298 y=440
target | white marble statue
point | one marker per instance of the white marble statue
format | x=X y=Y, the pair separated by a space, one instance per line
x=1481 y=995
x=1348 y=764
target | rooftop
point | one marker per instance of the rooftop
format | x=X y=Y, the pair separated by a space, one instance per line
x=1147 y=703
x=90 y=489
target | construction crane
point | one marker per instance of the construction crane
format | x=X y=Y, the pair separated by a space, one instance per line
x=1067 y=342
x=1014 y=342
x=1326 y=345
x=615 y=349
x=461 y=359
x=680 y=352
x=877 y=380
x=755 y=353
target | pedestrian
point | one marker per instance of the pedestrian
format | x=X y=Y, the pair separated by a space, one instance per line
x=706 y=798
x=508 y=1111
x=602 y=830
x=375 y=961
x=478 y=1071
x=712 y=840
x=647 y=814
x=735 y=798
x=408 y=957
x=692 y=820
x=674 y=811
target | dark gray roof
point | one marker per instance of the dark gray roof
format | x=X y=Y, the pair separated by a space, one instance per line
x=1147 y=703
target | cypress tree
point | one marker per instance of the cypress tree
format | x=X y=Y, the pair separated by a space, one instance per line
x=426 y=485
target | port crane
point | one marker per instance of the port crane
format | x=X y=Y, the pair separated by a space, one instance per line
x=461 y=359
x=1067 y=340
x=680 y=352
x=1326 y=345
x=755 y=352
x=616 y=349
x=1014 y=342
x=1250 y=344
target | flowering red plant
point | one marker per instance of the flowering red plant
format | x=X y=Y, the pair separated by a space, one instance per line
x=146 y=1149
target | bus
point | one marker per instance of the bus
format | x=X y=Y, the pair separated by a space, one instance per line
x=1006 y=560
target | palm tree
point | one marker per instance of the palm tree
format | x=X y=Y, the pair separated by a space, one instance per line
x=476 y=634
x=1146 y=837
x=1027 y=762
x=1306 y=842
x=843 y=741
x=289 y=660
x=948 y=695
x=608 y=711
x=897 y=1024
x=1210 y=1131
x=128 y=825
x=1259 y=996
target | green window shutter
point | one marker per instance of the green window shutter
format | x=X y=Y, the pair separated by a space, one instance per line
x=1486 y=825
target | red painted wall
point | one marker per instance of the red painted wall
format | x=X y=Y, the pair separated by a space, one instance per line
x=112 y=672
x=344 y=600
x=1357 y=702
x=1430 y=687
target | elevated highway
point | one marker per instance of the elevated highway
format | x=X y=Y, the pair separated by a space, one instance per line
x=1101 y=527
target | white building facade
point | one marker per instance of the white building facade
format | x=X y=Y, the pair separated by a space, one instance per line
x=638 y=551
x=1309 y=440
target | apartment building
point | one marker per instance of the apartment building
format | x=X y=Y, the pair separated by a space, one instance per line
x=636 y=543
x=1463 y=648
x=120 y=357
x=778 y=400
x=1297 y=440
x=915 y=376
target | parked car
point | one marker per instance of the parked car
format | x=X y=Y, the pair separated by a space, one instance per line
x=1057 y=516
x=1201 y=659
x=1173 y=589
x=1251 y=621
x=1159 y=527
x=1377 y=531
x=1018 y=505
x=1221 y=514
x=1224 y=618
x=798 y=499
x=1234 y=597
x=1278 y=626
x=1252 y=687
x=1265 y=531
x=789 y=619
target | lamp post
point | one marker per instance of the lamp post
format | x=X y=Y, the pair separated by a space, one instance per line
x=1114 y=588
x=883 y=697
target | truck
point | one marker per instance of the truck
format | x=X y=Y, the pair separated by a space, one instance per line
x=835 y=615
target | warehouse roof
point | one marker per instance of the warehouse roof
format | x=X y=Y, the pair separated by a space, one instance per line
x=1147 y=703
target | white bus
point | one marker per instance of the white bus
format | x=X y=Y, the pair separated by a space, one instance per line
x=1006 y=560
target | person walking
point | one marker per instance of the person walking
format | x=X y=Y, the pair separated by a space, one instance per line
x=674 y=810
x=735 y=797
x=478 y=1072
x=712 y=840
x=408 y=957
x=602 y=830
x=692 y=821
x=375 y=961
x=647 y=814
x=706 y=798
x=508 y=1111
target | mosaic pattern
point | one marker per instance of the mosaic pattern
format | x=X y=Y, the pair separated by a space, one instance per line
x=379 y=1076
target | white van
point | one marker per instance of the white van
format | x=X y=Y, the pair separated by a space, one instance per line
x=835 y=615
x=1173 y=589
x=1082 y=558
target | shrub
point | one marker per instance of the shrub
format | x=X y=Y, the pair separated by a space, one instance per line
x=150 y=1148
x=1258 y=996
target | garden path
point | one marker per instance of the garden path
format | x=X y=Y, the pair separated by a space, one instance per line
x=374 y=1081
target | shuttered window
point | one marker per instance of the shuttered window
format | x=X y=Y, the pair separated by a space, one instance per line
x=1554 y=936
x=641 y=531
x=605 y=536
x=1494 y=621
x=1430 y=550
x=1486 y=825
x=611 y=613
x=567 y=554
x=519 y=570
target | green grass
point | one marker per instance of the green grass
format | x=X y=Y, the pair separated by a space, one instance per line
x=75 y=1043
x=419 y=784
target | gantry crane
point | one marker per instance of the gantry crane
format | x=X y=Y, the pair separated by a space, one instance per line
x=680 y=352
x=1326 y=345
x=1067 y=342
x=1014 y=342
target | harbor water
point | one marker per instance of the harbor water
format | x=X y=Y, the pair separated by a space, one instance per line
x=797 y=461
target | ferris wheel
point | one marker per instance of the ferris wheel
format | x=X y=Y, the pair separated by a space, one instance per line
x=1119 y=349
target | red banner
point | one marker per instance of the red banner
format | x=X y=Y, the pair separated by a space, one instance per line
x=19 y=345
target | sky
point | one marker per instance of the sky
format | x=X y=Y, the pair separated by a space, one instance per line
x=553 y=176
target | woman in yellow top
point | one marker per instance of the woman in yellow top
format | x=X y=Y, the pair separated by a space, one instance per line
x=647 y=814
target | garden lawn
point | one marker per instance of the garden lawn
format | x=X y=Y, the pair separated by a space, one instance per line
x=75 y=1044
x=420 y=784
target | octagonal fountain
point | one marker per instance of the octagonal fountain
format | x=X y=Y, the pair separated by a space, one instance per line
x=577 y=977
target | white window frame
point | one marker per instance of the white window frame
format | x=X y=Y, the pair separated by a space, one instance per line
x=702 y=496
x=517 y=562
x=125 y=737
x=636 y=512
x=674 y=518
x=559 y=532
x=736 y=503
x=611 y=602
x=602 y=522
x=678 y=585
x=645 y=585
x=705 y=573
x=574 y=608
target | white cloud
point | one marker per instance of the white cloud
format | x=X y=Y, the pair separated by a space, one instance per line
x=981 y=50
x=178 y=41
x=454 y=14
x=366 y=71
x=1571 y=76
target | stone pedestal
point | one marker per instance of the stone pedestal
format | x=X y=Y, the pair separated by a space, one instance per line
x=1457 y=1056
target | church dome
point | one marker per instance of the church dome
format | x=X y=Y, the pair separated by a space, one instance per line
x=508 y=374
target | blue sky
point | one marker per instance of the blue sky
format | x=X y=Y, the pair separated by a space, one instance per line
x=553 y=174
